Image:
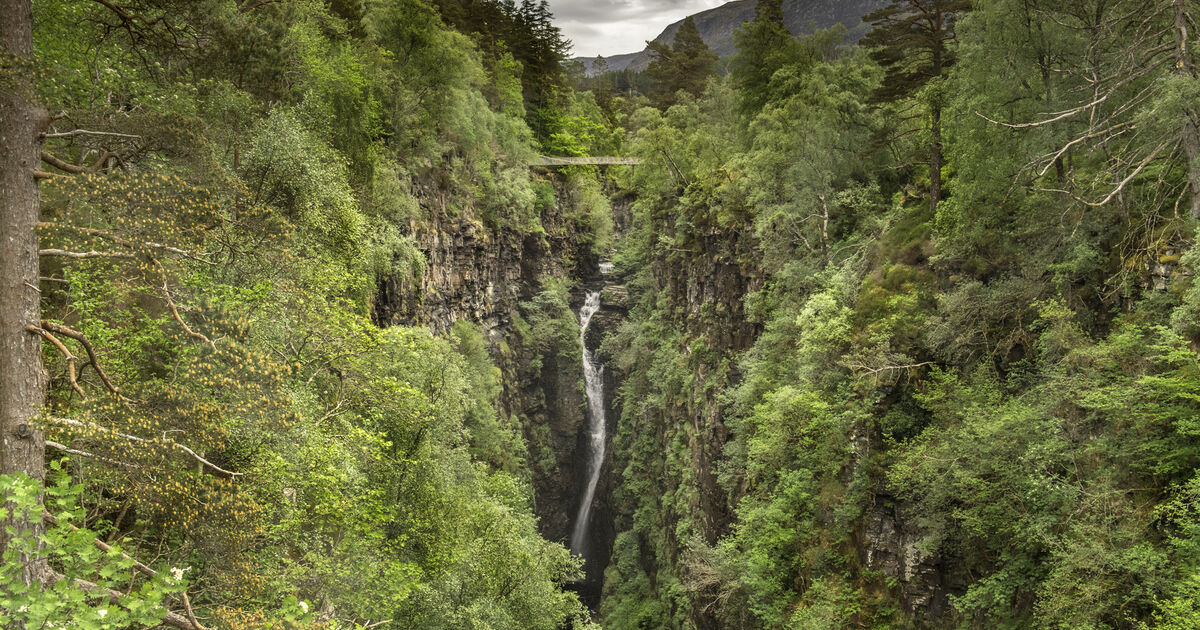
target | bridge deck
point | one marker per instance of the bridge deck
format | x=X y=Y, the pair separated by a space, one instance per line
x=544 y=160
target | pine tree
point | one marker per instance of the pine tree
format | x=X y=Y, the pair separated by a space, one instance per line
x=764 y=46
x=911 y=39
x=685 y=65
x=22 y=378
x=542 y=54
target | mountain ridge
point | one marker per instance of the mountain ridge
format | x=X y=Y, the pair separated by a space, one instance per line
x=718 y=24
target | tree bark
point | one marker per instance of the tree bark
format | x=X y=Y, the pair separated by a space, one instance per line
x=1190 y=139
x=22 y=378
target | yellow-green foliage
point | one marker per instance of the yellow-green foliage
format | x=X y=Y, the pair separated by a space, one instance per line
x=217 y=386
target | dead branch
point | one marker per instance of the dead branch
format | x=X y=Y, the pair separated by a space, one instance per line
x=887 y=368
x=1121 y=186
x=88 y=132
x=187 y=607
x=76 y=169
x=71 y=374
x=109 y=236
x=91 y=351
x=78 y=255
x=1084 y=138
x=876 y=374
x=102 y=160
x=63 y=164
x=175 y=311
x=1062 y=115
x=183 y=324
x=1040 y=123
x=66 y=449
x=165 y=440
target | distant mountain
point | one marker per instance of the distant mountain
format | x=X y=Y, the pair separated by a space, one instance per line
x=717 y=25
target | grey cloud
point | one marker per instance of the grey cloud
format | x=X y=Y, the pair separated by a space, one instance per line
x=614 y=10
x=609 y=27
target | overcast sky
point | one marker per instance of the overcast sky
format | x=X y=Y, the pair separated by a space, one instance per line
x=612 y=27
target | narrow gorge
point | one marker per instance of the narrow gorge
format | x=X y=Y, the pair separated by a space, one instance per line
x=524 y=291
x=389 y=314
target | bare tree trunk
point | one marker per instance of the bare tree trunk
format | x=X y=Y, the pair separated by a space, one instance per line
x=935 y=157
x=1191 y=142
x=935 y=131
x=22 y=379
x=935 y=115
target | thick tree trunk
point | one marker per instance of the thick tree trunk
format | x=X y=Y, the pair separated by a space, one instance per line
x=22 y=379
x=1190 y=139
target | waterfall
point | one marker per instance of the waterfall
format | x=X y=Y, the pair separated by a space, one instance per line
x=593 y=382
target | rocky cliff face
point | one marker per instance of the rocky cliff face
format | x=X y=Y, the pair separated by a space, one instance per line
x=688 y=326
x=885 y=540
x=477 y=273
x=709 y=287
x=552 y=405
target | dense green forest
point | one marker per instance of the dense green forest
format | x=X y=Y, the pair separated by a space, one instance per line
x=223 y=184
x=903 y=331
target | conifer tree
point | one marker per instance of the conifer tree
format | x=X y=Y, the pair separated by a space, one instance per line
x=911 y=39
x=685 y=65
x=22 y=379
x=764 y=46
x=542 y=55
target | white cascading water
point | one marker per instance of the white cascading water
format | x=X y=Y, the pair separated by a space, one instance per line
x=594 y=386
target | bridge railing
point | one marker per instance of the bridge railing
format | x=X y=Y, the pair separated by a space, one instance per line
x=544 y=160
